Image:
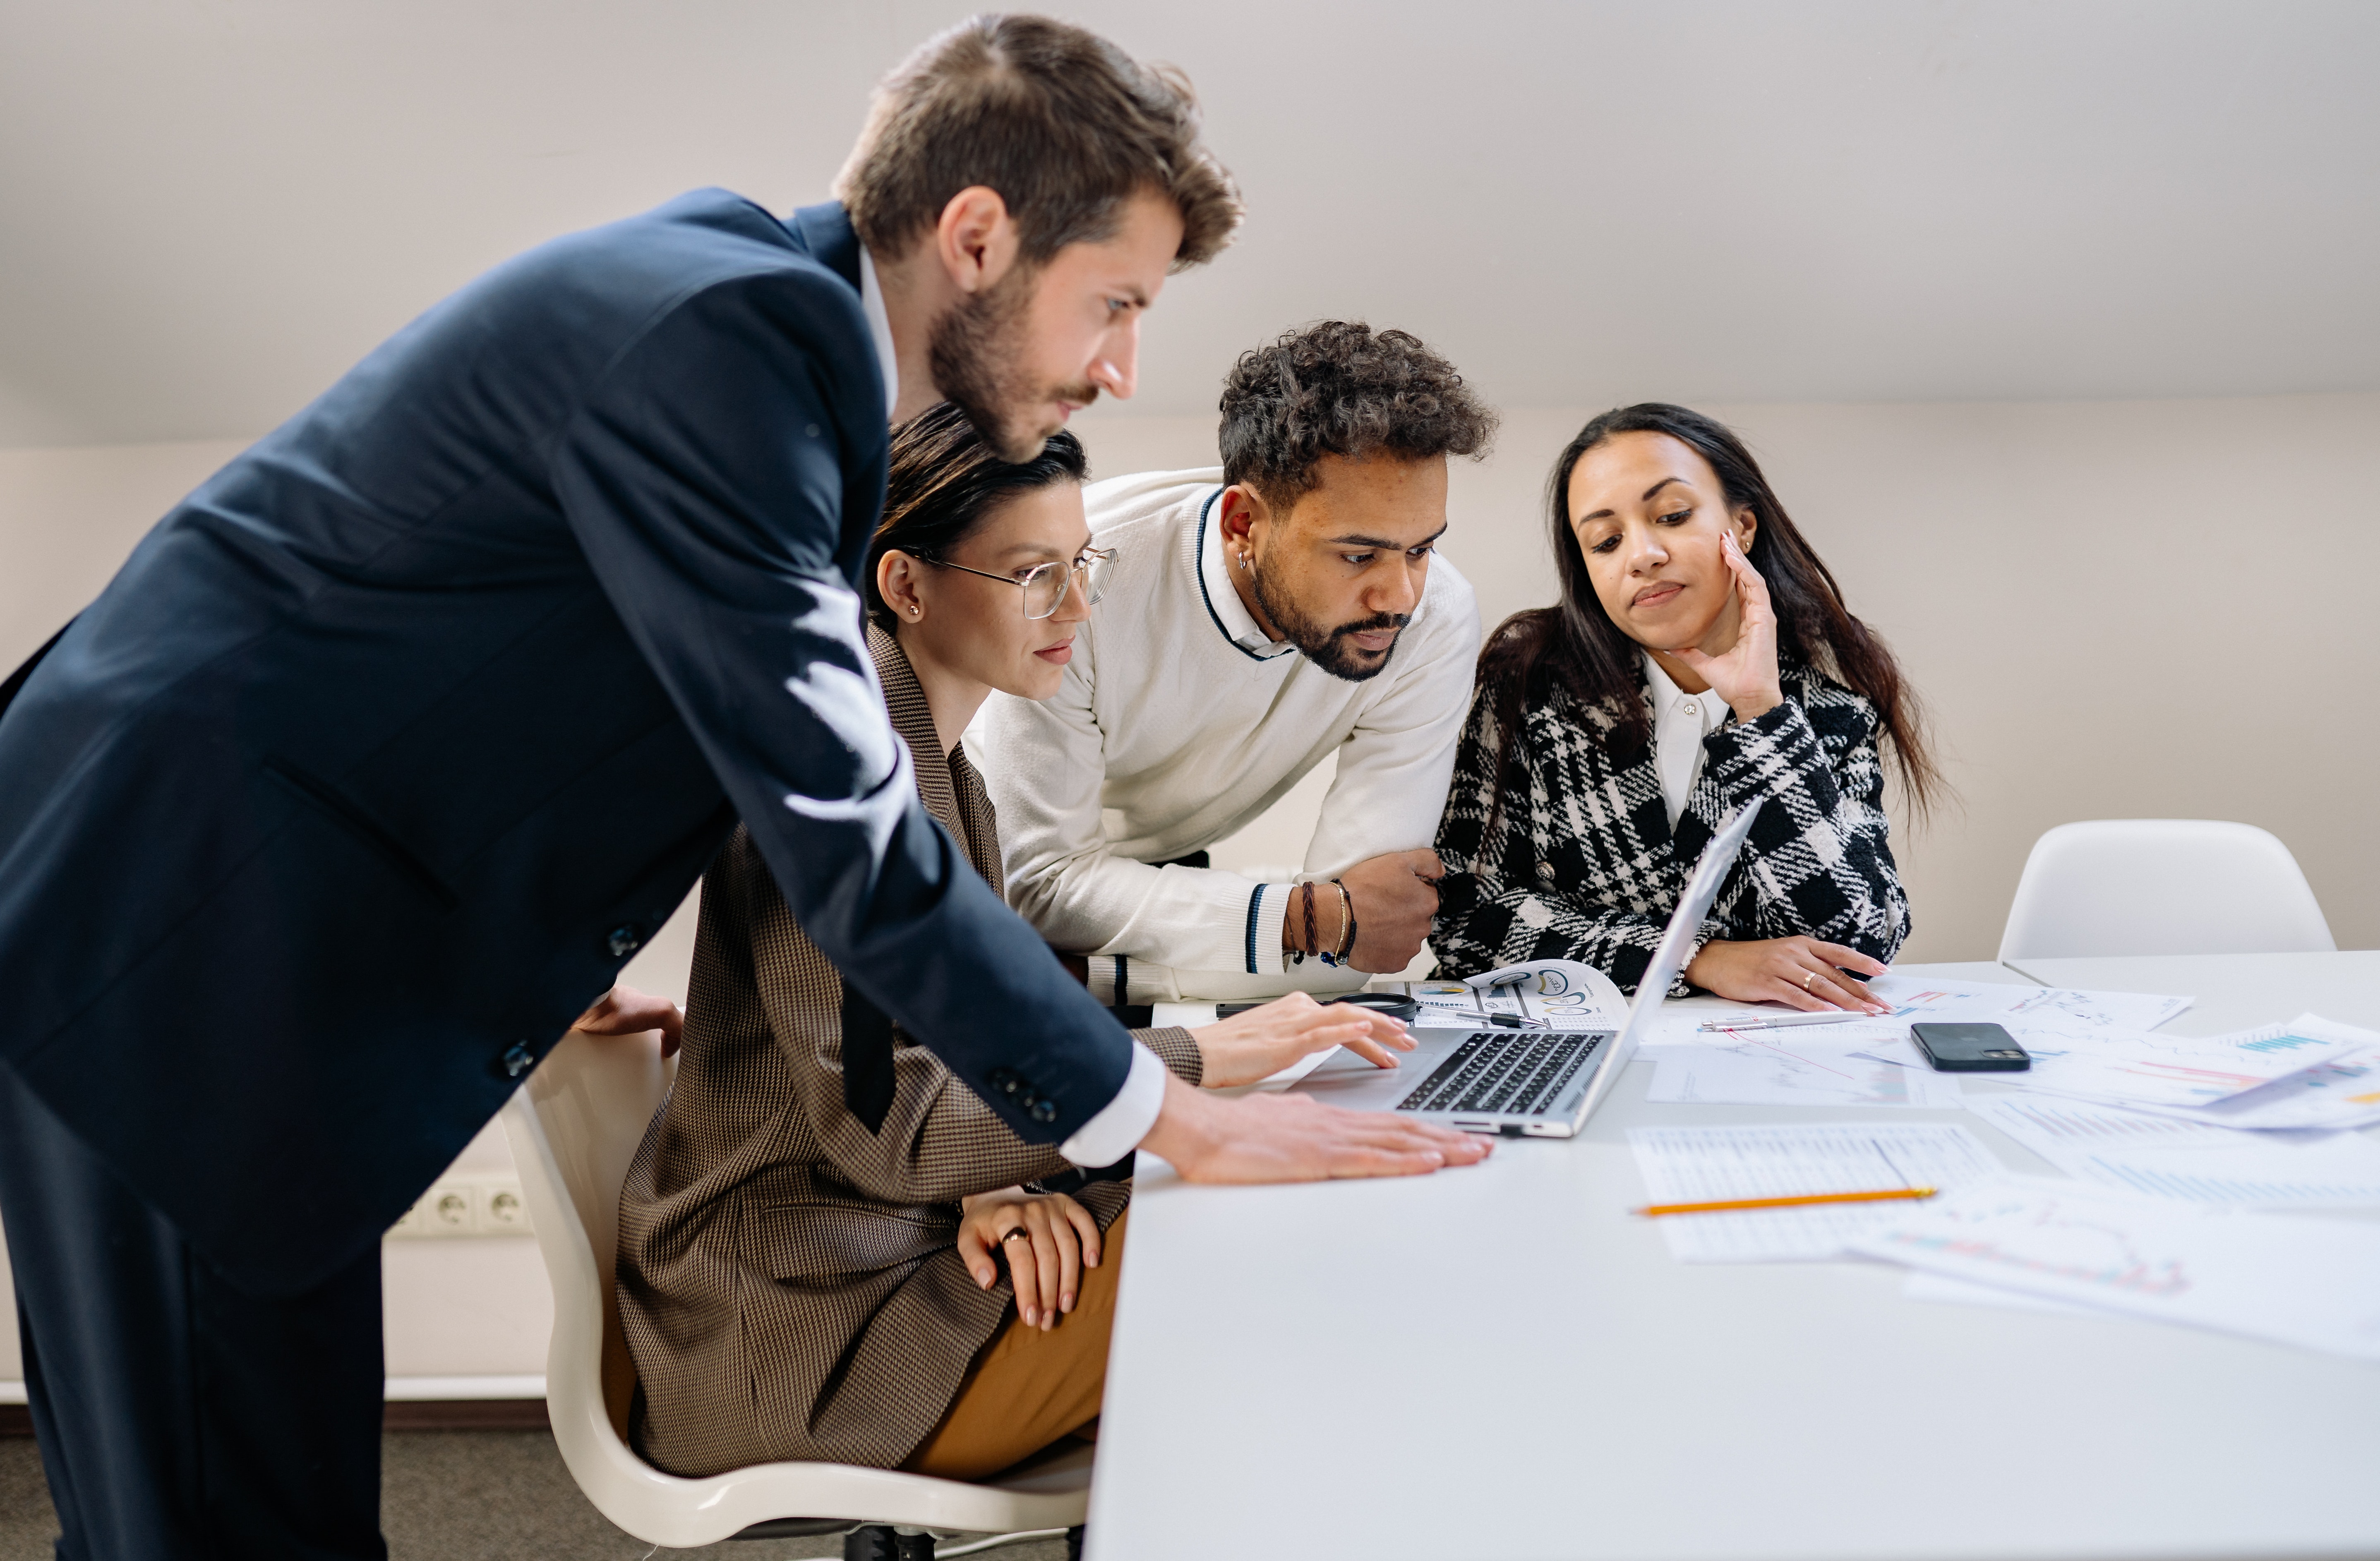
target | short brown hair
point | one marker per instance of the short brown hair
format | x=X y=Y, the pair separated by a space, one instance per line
x=1064 y=125
x=1340 y=388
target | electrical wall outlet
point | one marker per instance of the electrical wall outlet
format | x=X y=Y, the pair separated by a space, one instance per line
x=466 y=1205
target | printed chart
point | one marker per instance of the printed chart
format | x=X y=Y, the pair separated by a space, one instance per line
x=2190 y=1161
x=1554 y=994
x=2293 y=1279
x=1759 y=1071
x=2075 y=1058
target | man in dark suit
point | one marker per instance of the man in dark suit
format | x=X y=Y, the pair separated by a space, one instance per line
x=393 y=740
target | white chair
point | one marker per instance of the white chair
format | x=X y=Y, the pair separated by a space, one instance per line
x=2161 y=886
x=574 y=1127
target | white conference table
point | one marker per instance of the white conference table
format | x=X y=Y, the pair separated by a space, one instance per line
x=1502 y=1362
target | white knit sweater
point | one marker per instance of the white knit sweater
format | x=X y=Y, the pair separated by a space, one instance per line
x=1167 y=736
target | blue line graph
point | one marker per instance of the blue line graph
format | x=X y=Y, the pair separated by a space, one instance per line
x=2281 y=1043
x=2199 y=1188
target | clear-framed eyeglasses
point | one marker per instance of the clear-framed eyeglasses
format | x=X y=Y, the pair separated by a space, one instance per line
x=1044 y=585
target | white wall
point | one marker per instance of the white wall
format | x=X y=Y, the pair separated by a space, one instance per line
x=2113 y=609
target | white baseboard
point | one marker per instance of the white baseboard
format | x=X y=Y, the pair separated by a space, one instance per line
x=405 y=1390
x=413 y=1389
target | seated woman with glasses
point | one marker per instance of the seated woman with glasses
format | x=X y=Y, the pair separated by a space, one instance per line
x=1701 y=656
x=830 y=1248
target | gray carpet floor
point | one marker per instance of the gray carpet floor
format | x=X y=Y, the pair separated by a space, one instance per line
x=456 y=1495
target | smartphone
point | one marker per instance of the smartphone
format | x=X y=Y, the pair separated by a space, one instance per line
x=1970 y=1049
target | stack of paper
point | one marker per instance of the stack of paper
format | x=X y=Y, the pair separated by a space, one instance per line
x=2305 y=1073
x=2298 y=1280
x=2177 y=1158
x=1801 y=1068
x=1701 y=1164
x=2095 y=1062
x=1741 y=1057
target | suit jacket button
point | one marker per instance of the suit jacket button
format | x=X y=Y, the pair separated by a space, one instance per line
x=622 y=942
x=519 y=1060
x=1043 y=1111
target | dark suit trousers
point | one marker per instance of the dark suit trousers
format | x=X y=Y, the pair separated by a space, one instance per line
x=180 y=1418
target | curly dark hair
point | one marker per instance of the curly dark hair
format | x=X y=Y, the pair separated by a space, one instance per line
x=1340 y=388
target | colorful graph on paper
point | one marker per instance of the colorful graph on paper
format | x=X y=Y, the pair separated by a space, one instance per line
x=2075 y=1058
x=2290 y=1277
x=2048 y=1236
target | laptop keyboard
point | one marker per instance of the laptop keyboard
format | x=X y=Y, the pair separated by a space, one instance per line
x=1510 y=1072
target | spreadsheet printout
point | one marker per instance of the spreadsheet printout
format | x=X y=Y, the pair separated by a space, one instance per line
x=1685 y=1165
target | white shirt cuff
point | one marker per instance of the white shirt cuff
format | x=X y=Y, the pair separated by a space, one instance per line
x=1267 y=906
x=1118 y=1129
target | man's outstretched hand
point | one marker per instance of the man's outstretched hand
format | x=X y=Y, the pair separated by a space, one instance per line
x=1293 y=1138
x=623 y=1010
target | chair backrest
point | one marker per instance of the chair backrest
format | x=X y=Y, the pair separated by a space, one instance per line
x=573 y=1128
x=588 y=1106
x=2161 y=886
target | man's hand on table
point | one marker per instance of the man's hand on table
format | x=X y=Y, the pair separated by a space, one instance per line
x=623 y=1010
x=1268 y=1138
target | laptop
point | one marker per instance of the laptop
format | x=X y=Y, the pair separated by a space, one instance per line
x=1535 y=1082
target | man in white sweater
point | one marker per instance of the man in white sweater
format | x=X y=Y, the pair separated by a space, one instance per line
x=1257 y=618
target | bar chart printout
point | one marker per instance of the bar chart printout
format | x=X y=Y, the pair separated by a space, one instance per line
x=2293 y=1279
x=2191 y=1161
x=2135 y=1066
x=1688 y=1164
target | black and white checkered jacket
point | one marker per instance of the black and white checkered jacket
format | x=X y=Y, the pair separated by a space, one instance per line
x=1579 y=864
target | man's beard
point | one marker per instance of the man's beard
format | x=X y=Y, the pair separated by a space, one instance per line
x=977 y=352
x=1328 y=647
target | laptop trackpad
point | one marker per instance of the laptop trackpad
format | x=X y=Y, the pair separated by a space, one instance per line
x=1347 y=1080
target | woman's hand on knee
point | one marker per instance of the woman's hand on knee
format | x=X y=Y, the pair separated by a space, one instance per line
x=1799 y=971
x=1046 y=1238
x=1261 y=1041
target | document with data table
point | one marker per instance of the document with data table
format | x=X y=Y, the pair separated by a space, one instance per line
x=1690 y=1165
x=2188 y=1160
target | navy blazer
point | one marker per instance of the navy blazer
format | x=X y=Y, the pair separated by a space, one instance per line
x=391 y=743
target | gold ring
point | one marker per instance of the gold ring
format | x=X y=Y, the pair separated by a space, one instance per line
x=1806 y=979
x=1020 y=1231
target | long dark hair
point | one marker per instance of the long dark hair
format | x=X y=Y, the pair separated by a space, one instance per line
x=1574 y=645
x=944 y=479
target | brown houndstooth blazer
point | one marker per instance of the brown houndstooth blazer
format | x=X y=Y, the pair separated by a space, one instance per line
x=788 y=1283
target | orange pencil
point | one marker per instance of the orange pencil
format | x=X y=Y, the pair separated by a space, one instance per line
x=1804 y=1199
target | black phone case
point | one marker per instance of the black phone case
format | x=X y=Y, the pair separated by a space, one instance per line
x=1968 y=1049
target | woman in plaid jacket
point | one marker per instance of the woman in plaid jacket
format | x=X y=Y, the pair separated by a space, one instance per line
x=1700 y=657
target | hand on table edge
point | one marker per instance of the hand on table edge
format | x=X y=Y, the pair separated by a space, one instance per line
x=1799 y=971
x=1276 y=1137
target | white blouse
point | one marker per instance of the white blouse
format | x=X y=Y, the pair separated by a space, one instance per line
x=1680 y=722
